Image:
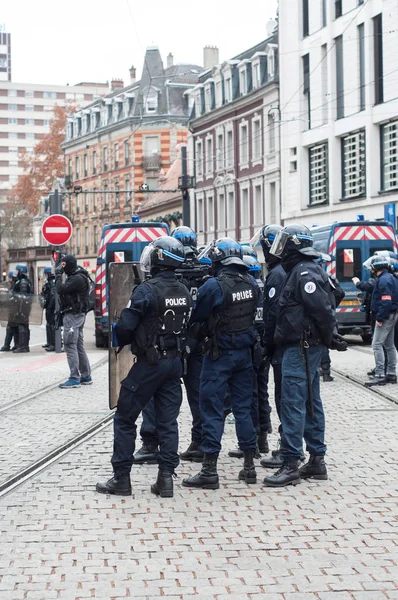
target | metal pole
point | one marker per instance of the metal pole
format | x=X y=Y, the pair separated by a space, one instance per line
x=56 y=209
x=186 y=208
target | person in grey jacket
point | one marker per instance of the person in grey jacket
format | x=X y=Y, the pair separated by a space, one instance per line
x=74 y=298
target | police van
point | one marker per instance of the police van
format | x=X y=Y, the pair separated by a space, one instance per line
x=120 y=242
x=350 y=244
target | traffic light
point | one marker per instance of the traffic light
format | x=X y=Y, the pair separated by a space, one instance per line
x=56 y=257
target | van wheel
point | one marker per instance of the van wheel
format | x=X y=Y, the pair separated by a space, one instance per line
x=101 y=340
x=367 y=339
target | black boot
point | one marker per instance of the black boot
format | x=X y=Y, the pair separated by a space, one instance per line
x=326 y=376
x=391 y=378
x=118 y=486
x=248 y=473
x=273 y=462
x=238 y=453
x=288 y=474
x=207 y=478
x=21 y=349
x=50 y=349
x=5 y=349
x=315 y=468
x=146 y=454
x=164 y=484
x=193 y=453
x=262 y=441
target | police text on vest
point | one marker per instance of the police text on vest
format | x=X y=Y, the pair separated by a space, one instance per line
x=245 y=295
x=176 y=301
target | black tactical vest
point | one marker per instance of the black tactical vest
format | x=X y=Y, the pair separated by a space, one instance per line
x=240 y=303
x=191 y=275
x=164 y=328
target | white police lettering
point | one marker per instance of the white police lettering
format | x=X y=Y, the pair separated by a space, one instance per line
x=271 y=293
x=176 y=301
x=310 y=287
x=304 y=273
x=245 y=295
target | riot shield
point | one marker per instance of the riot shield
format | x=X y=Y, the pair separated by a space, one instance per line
x=123 y=278
x=20 y=308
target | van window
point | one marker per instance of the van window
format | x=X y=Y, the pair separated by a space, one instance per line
x=122 y=255
x=349 y=264
x=321 y=240
x=374 y=249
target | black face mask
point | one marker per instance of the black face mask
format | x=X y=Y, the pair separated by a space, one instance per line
x=70 y=264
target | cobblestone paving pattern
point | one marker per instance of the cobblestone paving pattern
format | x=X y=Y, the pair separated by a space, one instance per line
x=32 y=429
x=333 y=540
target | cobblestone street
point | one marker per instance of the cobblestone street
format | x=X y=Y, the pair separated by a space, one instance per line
x=332 y=540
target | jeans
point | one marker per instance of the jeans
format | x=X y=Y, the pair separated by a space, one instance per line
x=162 y=383
x=233 y=370
x=296 y=422
x=383 y=339
x=79 y=364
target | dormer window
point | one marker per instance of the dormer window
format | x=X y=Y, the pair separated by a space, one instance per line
x=75 y=127
x=256 y=75
x=104 y=116
x=84 y=125
x=116 y=111
x=271 y=63
x=151 y=102
x=243 y=81
x=70 y=130
x=228 y=89
x=93 y=119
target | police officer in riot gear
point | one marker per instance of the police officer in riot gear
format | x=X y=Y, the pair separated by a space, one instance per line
x=12 y=328
x=48 y=294
x=154 y=323
x=305 y=324
x=191 y=274
x=260 y=407
x=226 y=308
x=23 y=287
x=273 y=286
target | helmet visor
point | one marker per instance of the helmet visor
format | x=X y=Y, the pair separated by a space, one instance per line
x=368 y=263
x=255 y=239
x=205 y=253
x=145 y=260
x=279 y=244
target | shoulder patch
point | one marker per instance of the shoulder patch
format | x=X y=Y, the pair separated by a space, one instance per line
x=271 y=293
x=310 y=287
x=304 y=273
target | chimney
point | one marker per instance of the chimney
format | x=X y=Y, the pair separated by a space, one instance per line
x=117 y=84
x=133 y=75
x=210 y=57
x=170 y=60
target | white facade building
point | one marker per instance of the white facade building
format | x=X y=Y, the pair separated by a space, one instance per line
x=338 y=108
x=25 y=113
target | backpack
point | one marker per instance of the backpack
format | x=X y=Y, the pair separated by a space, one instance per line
x=91 y=295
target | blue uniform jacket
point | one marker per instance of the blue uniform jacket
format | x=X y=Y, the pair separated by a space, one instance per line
x=210 y=297
x=141 y=302
x=385 y=296
x=273 y=287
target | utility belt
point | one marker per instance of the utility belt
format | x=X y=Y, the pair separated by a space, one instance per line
x=153 y=355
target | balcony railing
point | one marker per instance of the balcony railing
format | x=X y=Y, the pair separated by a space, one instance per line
x=151 y=162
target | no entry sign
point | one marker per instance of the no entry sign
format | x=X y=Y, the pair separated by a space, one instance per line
x=56 y=230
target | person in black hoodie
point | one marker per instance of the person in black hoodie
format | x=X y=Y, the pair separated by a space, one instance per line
x=305 y=324
x=74 y=297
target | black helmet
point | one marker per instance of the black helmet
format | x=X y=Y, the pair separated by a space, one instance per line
x=186 y=236
x=225 y=251
x=253 y=266
x=267 y=237
x=247 y=250
x=378 y=263
x=294 y=238
x=166 y=252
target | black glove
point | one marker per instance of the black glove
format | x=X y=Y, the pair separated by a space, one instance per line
x=59 y=270
x=338 y=343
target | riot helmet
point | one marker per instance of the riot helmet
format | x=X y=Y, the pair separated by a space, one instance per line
x=186 y=236
x=266 y=236
x=21 y=269
x=69 y=264
x=379 y=263
x=225 y=251
x=47 y=271
x=291 y=239
x=248 y=250
x=165 y=253
x=12 y=274
x=253 y=266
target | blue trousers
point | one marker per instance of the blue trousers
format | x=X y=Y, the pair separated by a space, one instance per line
x=233 y=371
x=191 y=380
x=162 y=383
x=296 y=422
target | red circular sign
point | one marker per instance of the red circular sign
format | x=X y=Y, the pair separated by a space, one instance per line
x=57 y=230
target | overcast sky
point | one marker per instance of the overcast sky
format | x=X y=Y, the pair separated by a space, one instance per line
x=96 y=40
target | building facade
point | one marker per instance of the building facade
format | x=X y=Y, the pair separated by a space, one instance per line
x=233 y=146
x=25 y=114
x=120 y=142
x=5 y=54
x=339 y=108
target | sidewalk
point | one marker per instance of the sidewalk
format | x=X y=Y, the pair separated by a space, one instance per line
x=333 y=540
